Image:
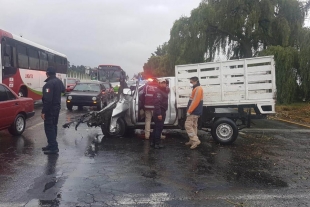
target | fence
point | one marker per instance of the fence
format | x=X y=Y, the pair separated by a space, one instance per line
x=80 y=76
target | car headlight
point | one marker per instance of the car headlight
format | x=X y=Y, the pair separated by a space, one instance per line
x=69 y=97
x=94 y=98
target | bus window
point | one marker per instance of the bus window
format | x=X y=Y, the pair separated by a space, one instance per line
x=51 y=59
x=34 y=62
x=64 y=66
x=7 y=55
x=22 y=56
x=60 y=64
x=8 y=60
x=43 y=60
x=115 y=75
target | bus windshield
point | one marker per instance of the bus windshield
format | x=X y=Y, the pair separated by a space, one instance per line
x=109 y=73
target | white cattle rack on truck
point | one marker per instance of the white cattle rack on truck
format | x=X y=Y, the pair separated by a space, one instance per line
x=231 y=83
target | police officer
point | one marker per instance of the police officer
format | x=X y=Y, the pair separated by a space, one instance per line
x=159 y=114
x=51 y=106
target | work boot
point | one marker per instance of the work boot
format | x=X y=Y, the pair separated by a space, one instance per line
x=188 y=143
x=158 y=146
x=51 y=151
x=45 y=148
x=195 y=144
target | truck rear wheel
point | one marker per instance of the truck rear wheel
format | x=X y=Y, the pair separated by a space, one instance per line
x=224 y=131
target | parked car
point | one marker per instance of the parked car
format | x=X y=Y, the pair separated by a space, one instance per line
x=14 y=110
x=91 y=93
x=71 y=82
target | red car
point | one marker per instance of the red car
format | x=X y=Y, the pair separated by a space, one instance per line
x=71 y=82
x=14 y=110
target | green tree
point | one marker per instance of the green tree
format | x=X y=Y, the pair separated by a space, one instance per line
x=286 y=59
x=237 y=28
x=159 y=63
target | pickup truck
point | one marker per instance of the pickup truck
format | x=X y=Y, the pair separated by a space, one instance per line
x=235 y=92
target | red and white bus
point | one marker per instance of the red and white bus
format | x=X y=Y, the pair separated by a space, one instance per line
x=24 y=63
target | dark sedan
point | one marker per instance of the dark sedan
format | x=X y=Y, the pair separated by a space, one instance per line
x=92 y=93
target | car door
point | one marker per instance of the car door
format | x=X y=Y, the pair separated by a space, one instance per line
x=8 y=107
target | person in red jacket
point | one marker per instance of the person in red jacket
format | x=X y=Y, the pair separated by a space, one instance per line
x=147 y=103
x=194 y=111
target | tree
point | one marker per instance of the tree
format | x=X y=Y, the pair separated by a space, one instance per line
x=286 y=59
x=159 y=63
x=240 y=28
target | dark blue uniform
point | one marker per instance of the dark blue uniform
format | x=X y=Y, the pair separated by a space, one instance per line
x=51 y=106
x=160 y=108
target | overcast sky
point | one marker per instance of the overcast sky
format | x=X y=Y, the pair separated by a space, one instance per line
x=93 y=32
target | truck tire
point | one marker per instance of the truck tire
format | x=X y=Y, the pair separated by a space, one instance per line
x=120 y=126
x=224 y=131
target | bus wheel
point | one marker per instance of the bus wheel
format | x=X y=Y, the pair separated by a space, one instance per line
x=22 y=92
x=224 y=131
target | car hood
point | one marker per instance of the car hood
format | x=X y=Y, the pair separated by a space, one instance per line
x=84 y=93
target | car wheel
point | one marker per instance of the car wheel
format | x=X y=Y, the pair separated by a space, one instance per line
x=19 y=125
x=120 y=126
x=69 y=107
x=224 y=131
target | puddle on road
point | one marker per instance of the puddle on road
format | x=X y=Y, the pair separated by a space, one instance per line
x=43 y=203
x=92 y=149
x=236 y=165
x=13 y=150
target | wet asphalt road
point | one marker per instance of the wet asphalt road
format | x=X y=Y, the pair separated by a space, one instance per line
x=268 y=165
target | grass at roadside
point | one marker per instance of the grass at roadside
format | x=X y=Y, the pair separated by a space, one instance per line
x=296 y=112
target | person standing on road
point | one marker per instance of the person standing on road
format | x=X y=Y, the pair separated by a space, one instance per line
x=51 y=107
x=194 y=110
x=159 y=114
x=147 y=103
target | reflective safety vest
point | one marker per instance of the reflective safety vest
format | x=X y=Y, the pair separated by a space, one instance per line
x=149 y=92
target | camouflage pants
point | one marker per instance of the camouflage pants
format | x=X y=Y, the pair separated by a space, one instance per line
x=191 y=124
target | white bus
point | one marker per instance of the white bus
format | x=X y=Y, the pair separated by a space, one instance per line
x=24 y=63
